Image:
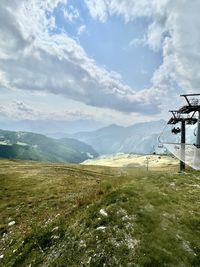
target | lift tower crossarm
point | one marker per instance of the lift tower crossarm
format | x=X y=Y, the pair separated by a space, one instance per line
x=191 y=107
x=176 y=118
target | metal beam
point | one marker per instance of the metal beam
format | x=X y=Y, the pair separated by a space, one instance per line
x=182 y=163
x=198 y=131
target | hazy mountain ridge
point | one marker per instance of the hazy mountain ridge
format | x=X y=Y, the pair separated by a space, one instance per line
x=139 y=138
x=32 y=146
x=48 y=126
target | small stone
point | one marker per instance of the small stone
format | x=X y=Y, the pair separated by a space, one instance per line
x=103 y=212
x=55 y=229
x=101 y=228
x=89 y=260
x=1 y=256
x=11 y=223
x=55 y=237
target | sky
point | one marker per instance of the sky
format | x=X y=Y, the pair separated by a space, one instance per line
x=102 y=62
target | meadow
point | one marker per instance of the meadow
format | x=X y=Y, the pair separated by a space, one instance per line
x=78 y=215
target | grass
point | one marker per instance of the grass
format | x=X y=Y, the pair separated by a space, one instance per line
x=155 y=162
x=72 y=215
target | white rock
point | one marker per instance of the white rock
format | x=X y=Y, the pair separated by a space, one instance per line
x=82 y=244
x=101 y=228
x=11 y=223
x=1 y=256
x=55 y=229
x=89 y=260
x=103 y=212
x=55 y=237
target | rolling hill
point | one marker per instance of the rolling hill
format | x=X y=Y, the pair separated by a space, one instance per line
x=32 y=146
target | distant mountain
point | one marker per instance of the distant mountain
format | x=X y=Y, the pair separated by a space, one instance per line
x=48 y=127
x=139 y=138
x=32 y=146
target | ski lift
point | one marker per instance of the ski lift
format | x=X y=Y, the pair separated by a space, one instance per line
x=176 y=130
x=188 y=115
x=160 y=145
x=160 y=142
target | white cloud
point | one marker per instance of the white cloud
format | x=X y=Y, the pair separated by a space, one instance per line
x=174 y=29
x=18 y=110
x=81 y=30
x=138 y=42
x=98 y=9
x=15 y=110
x=32 y=59
x=71 y=13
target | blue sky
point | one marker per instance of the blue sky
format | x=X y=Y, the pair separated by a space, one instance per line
x=109 y=44
x=104 y=61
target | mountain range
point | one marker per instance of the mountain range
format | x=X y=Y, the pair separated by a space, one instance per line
x=141 y=138
x=45 y=126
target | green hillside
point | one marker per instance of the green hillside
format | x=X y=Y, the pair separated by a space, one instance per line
x=72 y=215
x=32 y=146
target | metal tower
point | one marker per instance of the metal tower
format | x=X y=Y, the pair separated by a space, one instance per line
x=186 y=115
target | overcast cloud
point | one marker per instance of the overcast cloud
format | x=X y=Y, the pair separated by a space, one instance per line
x=33 y=59
x=37 y=56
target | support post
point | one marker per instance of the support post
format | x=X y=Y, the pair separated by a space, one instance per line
x=198 y=131
x=182 y=162
x=147 y=163
x=197 y=151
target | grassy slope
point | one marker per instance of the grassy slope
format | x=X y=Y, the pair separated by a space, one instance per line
x=133 y=160
x=153 y=219
x=42 y=148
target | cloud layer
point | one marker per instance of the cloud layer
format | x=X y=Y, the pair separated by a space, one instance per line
x=35 y=57
x=173 y=28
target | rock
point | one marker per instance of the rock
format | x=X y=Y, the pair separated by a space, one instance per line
x=103 y=212
x=101 y=228
x=11 y=223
